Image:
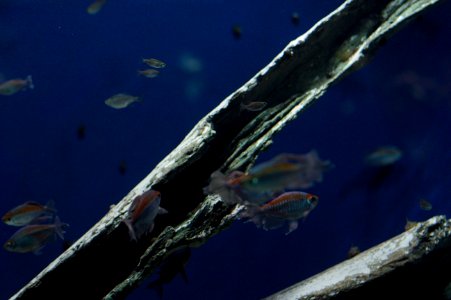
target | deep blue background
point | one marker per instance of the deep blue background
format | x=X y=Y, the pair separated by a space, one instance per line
x=78 y=60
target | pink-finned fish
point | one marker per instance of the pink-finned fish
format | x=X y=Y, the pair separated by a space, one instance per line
x=28 y=212
x=32 y=238
x=289 y=206
x=13 y=86
x=142 y=213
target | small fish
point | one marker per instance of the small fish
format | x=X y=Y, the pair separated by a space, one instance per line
x=384 y=156
x=289 y=206
x=32 y=238
x=353 y=251
x=285 y=171
x=13 y=86
x=253 y=106
x=25 y=214
x=425 y=205
x=142 y=212
x=95 y=7
x=149 y=73
x=120 y=101
x=154 y=63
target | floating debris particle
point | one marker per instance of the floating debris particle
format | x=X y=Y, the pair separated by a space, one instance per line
x=236 y=32
x=120 y=101
x=295 y=18
x=425 y=205
x=154 y=63
x=81 y=132
x=13 y=86
x=149 y=73
x=95 y=7
x=122 y=168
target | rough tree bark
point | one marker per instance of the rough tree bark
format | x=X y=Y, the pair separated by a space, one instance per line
x=412 y=265
x=105 y=263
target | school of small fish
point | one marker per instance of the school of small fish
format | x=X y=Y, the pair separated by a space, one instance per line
x=121 y=100
x=39 y=226
x=268 y=190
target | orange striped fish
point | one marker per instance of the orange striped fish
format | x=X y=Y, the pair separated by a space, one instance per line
x=28 y=212
x=289 y=206
x=142 y=212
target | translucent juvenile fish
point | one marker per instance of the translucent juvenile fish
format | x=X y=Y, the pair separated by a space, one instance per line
x=253 y=106
x=120 y=101
x=285 y=171
x=289 y=206
x=154 y=63
x=149 y=73
x=13 y=86
x=95 y=7
x=384 y=156
x=24 y=214
x=142 y=212
x=425 y=205
x=32 y=238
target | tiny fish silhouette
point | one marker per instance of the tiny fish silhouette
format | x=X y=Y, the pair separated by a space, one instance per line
x=120 y=101
x=384 y=156
x=24 y=214
x=425 y=205
x=142 y=213
x=149 y=73
x=13 y=86
x=154 y=63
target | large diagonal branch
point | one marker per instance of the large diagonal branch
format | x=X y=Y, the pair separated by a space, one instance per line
x=105 y=262
x=412 y=265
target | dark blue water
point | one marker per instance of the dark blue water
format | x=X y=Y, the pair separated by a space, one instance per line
x=78 y=60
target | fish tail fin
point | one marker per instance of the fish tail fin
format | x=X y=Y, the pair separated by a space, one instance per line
x=131 y=231
x=50 y=205
x=30 y=82
x=162 y=211
x=59 y=227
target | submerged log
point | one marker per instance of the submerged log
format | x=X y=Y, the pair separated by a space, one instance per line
x=105 y=263
x=412 y=265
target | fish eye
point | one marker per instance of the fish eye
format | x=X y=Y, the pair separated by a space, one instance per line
x=10 y=244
